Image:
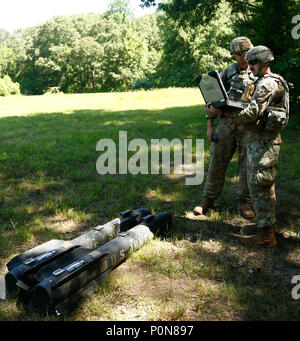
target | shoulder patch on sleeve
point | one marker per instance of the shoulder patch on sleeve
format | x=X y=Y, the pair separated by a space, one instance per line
x=262 y=91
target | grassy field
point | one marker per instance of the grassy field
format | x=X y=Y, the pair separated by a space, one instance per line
x=49 y=189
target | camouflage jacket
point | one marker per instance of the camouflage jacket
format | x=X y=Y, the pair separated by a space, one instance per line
x=235 y=81
x=271 y=91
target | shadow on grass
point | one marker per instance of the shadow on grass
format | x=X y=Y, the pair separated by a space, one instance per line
x=258 y=282
x=48 y=162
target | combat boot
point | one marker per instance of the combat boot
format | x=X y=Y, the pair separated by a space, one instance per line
x=246 y=210
x=204 y=206
x=266 y=238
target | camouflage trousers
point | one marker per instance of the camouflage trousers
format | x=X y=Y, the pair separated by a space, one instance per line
x=262 y=162
x=230 y=139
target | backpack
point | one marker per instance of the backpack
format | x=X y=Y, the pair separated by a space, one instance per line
x=276 y=118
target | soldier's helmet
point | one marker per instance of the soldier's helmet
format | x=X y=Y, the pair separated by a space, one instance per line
x=240 y=44
x=261 y=53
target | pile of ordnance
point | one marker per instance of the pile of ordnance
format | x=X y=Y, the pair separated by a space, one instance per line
x=57 y=275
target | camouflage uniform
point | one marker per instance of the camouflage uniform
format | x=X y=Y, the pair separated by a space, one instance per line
x=230 y=138
x=271 y=95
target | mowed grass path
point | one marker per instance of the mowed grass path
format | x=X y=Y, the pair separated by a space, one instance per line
x=49 y=189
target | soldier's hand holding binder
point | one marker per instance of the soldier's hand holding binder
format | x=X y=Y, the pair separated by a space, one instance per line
x=209 y=109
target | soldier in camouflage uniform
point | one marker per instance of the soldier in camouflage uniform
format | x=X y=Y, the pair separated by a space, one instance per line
x=230 y=136
x=264 y=117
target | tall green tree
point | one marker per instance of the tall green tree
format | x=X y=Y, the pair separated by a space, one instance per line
x=189 y=51
x=86 y=58
x=4 y=35
x=7 y=60
x=149 y=31
x=125 y=50
x=88 y=52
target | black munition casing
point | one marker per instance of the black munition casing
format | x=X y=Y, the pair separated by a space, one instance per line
x=24 y=267
x=70 y=278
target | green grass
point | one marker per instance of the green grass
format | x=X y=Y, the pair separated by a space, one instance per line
x=49 y=189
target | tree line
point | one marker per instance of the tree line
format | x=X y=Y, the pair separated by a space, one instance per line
x=115 y=51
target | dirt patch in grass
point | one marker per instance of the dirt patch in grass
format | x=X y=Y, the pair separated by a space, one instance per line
x=147 y=297
x=62 y=224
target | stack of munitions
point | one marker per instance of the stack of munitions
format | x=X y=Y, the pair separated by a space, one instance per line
x=58 y=274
